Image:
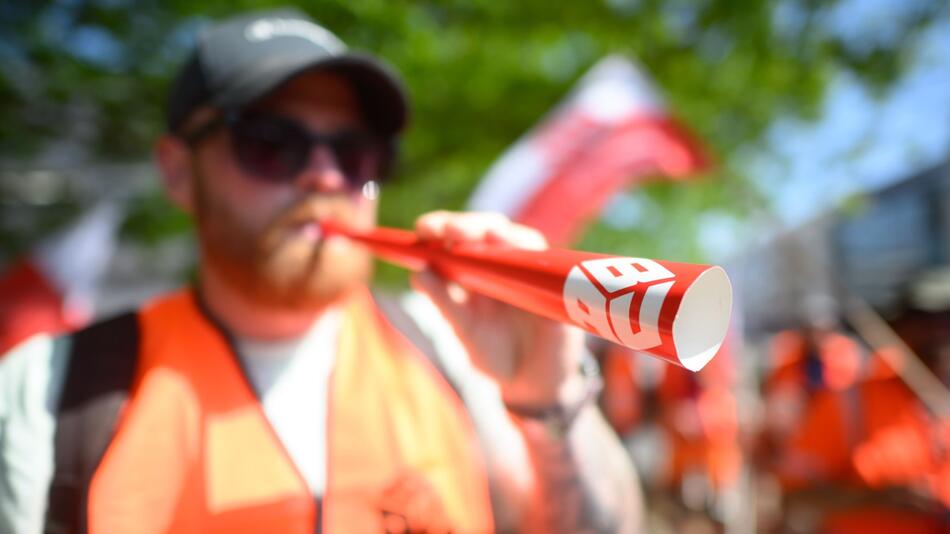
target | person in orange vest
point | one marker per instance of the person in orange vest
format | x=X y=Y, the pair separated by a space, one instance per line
x=623 y=400
x=863 y=455
x=275 y=396
x=699 y=417
x=699 y=454
x=805 y=362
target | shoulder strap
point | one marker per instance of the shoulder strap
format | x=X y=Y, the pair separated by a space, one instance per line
x=400 y=319
x=98 y=378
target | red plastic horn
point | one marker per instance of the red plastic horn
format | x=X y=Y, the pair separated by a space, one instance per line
x=676 y=311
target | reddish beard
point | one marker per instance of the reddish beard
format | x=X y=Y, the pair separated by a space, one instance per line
x=278 y=265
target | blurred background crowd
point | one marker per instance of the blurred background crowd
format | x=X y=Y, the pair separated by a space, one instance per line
x=802 y=144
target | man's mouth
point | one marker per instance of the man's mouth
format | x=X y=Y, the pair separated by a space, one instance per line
x=310 y=230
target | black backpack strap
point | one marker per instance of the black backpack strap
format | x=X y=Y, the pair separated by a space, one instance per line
x=98 y=377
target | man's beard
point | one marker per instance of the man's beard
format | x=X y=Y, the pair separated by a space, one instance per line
x=275 y=266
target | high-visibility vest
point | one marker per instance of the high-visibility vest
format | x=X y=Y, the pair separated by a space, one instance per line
x=852 y=438
x=194 y=452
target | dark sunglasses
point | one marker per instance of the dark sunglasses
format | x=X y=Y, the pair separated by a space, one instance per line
x=277 y=149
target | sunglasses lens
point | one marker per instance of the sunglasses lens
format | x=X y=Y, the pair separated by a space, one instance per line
x=357 y=156
x=277 y=149
x=270 y=148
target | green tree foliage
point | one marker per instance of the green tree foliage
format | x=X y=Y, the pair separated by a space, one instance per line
x=480 y=73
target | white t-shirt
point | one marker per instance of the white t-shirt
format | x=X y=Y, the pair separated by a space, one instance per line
x=290 y=378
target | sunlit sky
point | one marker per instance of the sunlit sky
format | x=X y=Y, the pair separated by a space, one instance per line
x=860 y=143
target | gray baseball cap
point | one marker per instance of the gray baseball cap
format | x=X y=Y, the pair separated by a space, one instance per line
x=239 y=60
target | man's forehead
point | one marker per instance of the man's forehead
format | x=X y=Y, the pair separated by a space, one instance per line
x=318 y=91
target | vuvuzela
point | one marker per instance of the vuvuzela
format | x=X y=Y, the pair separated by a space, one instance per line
x=676 y=311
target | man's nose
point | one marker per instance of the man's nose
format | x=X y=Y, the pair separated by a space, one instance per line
x=322 y=172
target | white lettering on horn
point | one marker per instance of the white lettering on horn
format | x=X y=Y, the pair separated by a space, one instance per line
x=608 y=311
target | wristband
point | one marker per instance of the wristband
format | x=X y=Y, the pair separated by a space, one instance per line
x=559 y=417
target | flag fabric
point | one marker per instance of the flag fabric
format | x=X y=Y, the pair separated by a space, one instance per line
x=30 y=305
x=52 y=289
x=611 y=131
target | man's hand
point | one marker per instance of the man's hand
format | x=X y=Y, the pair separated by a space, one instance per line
x=579 y=481
x=534 y=360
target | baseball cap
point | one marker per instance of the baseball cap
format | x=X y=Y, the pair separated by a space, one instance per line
x=239 y=60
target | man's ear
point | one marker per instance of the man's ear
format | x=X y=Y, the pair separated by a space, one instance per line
x=174 y=163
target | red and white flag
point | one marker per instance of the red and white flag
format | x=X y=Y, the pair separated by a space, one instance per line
x=611 y=131
x=52 y=289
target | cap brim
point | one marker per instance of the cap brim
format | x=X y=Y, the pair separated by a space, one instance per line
x=379 y=90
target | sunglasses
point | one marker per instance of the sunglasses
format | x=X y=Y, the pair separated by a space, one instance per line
x=277 y=149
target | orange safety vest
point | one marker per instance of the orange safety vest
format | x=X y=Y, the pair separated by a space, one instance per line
x=894 y=448
x=700 y=418
x=622 y=399
x=194 y=452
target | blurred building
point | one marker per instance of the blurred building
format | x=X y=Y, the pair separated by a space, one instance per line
x=889 y=247
x=894 y=250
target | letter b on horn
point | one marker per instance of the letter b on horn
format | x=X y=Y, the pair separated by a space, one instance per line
x=601 y=295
